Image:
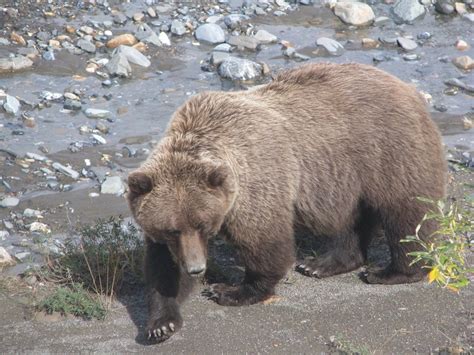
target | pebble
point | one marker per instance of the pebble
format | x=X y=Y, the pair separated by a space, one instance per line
x=218 y=57
x=460 y=8
x=370 y=43
x=408 y=10
x=469 y=17
x=40 y=227
x=4 y=235
x=151 y=12
x=97 y=113
x=243 y=42
x=223 y=47
x=333 y=47
x=407 y=44
x=461 y=45
x=424 y=36
x=464 y=62
x=11 y=105
x=35 y=156
x=72 y=105
x=234 y=68
x=31 y=213
x=124 y=39
x=234 y=21
x=265 y=37
x=354 y=13
x=112 y=185
x=138 y=17
x=22 y=255
x=456 y=83
x=445 y=7
x=164 y=39
x=118 y=65
x=86 y=45
x=99 y=139
x=210 y=33
x=15 y=37
x=9 y=202
x=133 y=56
x=15 y=63
x=411 y=57
x=177 y=28
x=5 y=258
x=66 y=170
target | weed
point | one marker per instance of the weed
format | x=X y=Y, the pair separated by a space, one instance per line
x=445 y=253
x=106 y=254
x=341 y=346
x=73 y=299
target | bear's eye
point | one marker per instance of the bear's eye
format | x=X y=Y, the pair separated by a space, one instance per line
x=173 y=233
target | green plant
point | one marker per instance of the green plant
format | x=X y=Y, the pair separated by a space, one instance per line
x=104 y=255
x=445 y=251
x=73 y=299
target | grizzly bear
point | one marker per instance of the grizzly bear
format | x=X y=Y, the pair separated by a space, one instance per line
x=343 y=150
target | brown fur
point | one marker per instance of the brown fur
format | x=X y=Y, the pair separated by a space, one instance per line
x=340 y=149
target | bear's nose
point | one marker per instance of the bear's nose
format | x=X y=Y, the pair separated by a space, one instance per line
x=196 y=270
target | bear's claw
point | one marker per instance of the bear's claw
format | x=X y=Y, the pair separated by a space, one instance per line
x=160 y=332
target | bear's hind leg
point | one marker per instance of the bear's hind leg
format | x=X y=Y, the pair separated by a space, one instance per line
x=266 y=260
x=398 y=224
x=343 y=255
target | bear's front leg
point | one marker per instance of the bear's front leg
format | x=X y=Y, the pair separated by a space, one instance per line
x=167 y=287
x=266 y=263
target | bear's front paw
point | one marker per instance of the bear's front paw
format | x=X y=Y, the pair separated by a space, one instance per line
x=162 y=328
x=226 y=295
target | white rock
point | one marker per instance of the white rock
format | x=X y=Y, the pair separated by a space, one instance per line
x=112 y=185
x=9 y=202
x=264 y=37
x=36 y=157
x=99 y=139
x=5 y=258
x=4 y=235
x=39 y=227
x=354 y=13
x=96 y=113
x=133 y=55
x=11 y=105
x=164 y=39
x=29 y=213
x=210 y=33
x=332 y=47
x=408 y=10
x=66 y=170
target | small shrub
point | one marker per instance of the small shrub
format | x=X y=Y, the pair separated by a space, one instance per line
x=445 y=253
x=73 y=299
x=104 y=255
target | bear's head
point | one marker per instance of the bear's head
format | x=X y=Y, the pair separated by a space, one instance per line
x=182 y=202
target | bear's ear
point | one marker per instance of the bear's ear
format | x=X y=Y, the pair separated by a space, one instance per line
x=139 y=183
x=217 y=176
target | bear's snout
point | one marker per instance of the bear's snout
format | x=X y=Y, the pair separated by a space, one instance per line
x=193 y=253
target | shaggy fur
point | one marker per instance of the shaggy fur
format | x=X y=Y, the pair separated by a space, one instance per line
x=342 y=150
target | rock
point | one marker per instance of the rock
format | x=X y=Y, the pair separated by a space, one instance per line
x=407 y=10
x=97 y=113
x=49 y=55
x=177 y=28
x=265 y=37
x=354 y=13
x=5 y=258
x=66 y=170
x=8 y=202
x=112 y=185
x=98 y=139
x=138 y=17
x=118 y=65
x=22 y=255
x=460 y=8
x=461 y=45
x=86 y=45
x=120 y=19
x=125 y=39
x=459 y=84
x=424 y=36
x=4 y=235
x=210 y=33
x=234 y=21
x=151 y=12
x=239 y=69
x=30 y=213
x=469 y=17
x=72 y=105
x=407 y=44
x=465 y=62
x=306 y=2
x=243 y=42
x=40 y=227
x=467 y=124
x=332 y=47
x=11 y=105
x=381 y=21
x=279 y=13
x=15 y=63
x=223 y=47
x=164 y=39
x=133 y=56
x=445 y=7
x=15 y=37
x=35 y=156
x=370 y=43
x=218 y=57
x=411 y=57
x=50 y=96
